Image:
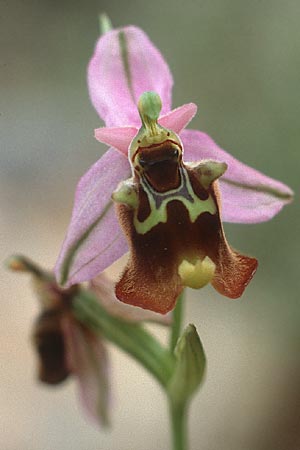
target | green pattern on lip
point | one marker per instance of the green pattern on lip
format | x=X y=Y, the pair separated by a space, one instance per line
x=194 y=205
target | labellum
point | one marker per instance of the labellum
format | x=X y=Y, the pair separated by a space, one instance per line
x=169 y=212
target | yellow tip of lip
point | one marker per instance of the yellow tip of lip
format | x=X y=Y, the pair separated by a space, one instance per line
x=196 y=275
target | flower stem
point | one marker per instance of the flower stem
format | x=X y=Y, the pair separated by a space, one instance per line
x=179 y=425
x=176 y=322
x=177 y=411
x=105 y=24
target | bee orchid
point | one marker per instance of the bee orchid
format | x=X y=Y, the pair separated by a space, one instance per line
x=169 y=214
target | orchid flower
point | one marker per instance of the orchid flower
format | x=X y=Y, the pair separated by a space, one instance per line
x=65 y=347
x=124 y=66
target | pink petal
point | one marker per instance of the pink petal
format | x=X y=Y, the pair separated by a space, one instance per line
x=179 y=118
x=117 y=137
x=87 y=360
x=121 y=137
x=124 y=65
x=104 y=288
x=94 y=239
x=248 y=196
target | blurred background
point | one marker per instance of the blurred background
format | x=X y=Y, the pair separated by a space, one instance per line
x=239 y=61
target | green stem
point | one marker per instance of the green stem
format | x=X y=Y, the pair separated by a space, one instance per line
x=105 y=24
x=176 y=322
x=177 y=411
x=179 y=426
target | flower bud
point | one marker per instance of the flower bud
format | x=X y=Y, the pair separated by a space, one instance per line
x=189 y=367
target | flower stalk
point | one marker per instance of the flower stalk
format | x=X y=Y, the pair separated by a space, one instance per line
x=176 y=321
x=105 y=24
x=178 y=413
x=178 y=417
